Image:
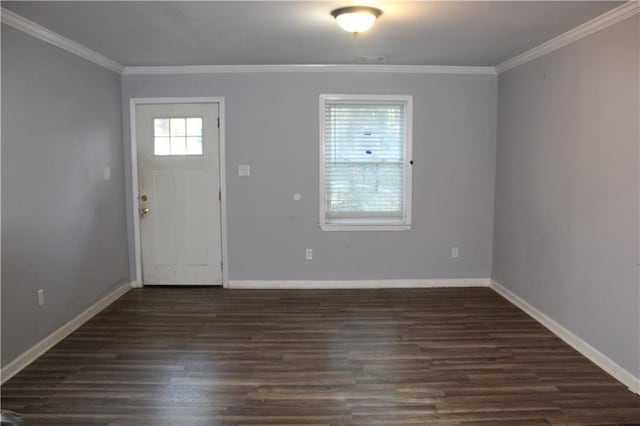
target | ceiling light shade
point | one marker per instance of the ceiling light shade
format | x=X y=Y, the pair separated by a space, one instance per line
x=356 y=19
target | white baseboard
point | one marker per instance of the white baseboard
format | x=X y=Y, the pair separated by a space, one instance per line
x=346 y=284
x=54 y=338
x=597 y=357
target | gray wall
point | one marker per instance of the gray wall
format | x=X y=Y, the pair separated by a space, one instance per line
x=63 y=225
x=272 y=124
x=567 y=183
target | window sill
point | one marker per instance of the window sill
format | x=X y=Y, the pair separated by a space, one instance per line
x=364 y=227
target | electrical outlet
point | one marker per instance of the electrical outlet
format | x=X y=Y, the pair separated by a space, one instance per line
x=455 y=252
x=308 y=254
x=40 y=297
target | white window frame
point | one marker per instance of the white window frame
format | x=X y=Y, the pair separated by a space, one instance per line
x=367 y=224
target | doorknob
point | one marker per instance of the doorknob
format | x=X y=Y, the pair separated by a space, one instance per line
x=144 y=211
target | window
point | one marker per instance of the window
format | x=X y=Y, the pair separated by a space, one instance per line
x=365 y=162
x=177 y=136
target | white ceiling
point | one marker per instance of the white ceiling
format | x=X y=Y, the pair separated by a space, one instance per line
x=473 y=33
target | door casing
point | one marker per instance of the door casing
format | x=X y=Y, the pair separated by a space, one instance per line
x=133 y=212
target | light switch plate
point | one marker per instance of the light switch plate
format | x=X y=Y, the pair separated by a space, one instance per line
x=455 y=252
x=244 y=170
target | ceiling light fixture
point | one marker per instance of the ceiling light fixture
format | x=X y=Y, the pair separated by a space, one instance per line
x=356 y=19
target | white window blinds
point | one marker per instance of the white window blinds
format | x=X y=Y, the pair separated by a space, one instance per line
x=365 y=159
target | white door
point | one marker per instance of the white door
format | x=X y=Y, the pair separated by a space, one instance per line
x=179 y=187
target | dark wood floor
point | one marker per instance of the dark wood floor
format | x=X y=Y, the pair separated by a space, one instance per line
x=206 y=356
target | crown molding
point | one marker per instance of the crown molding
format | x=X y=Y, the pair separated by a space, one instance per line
x=601 y=22
x=22 y=24
x=369 y=68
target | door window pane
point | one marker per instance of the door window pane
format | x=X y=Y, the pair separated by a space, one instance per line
x=178 y=145
x=161 y=126
x=178 y=127
x=162 y=146
x=177 y=136
x=194 y=126
x=194 y=145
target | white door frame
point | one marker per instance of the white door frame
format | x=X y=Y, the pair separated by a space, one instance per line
x=133 y=102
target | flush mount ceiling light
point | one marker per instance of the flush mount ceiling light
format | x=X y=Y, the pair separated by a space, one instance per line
x=356 y=19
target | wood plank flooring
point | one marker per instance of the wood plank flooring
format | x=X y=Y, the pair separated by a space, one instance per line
x=206 y=356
